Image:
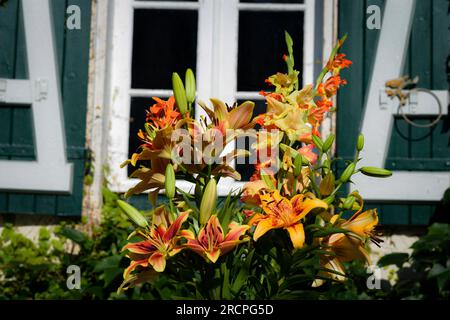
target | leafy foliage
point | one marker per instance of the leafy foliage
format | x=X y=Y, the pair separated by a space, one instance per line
x=37 y=269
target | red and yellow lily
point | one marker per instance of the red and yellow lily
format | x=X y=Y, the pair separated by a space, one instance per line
x=160 y=243
x=211 y=241
x=281 y=212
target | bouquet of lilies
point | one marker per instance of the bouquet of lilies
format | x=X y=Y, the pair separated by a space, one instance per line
x=291 y=229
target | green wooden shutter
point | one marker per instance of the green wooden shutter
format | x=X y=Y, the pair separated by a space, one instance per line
x=16 y=126
x=411 y=148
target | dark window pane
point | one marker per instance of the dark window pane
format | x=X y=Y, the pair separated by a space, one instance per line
x=137 y=121
x=272 y=1
x=262 y=45
x=246 y=169
x=164 y=41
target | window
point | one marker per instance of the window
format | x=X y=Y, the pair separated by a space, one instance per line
x=231 y=45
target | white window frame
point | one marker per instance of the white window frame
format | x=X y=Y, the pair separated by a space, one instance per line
x=216 y=72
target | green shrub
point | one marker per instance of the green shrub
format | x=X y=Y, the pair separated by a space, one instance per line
x=37 y=270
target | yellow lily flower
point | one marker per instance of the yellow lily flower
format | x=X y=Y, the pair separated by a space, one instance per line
x=281 y=212
x=348 y=246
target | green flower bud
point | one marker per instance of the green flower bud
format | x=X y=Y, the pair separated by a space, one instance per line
x=360 y=143
x=298 y=162
x=326 y=166
x=179 y=93
x=376 y=172
x=169 y=181
x=317 y=142
x=348 y=172
x=209 y=200
x=133 y=214
x=328 y=143
x=348 y=202
x=266 y=178
x=190 y=86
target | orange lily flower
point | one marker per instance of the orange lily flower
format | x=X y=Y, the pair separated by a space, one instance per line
x=281 y=212
x=235 y=117
x=163 y=114
x=158 y=245
x=348 y=246
x=211 y=242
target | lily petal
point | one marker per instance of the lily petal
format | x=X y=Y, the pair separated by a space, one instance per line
x=133 y=265
x=213 y=255
x=158 y=261
x=175 y=226
x=235 y=232
x=264 y=226
x=241 y=115
x=297 y=235
x=363 y=224
x=142 y=247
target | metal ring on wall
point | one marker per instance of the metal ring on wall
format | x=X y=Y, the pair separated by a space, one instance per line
x=429 y=125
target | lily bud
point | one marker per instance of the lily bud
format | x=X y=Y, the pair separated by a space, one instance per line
x=360 y=143
x=133 y=214
x=376 y=172
x=169 y=182
x=266 y=178
x=328 y=143
x=348 y=202
x=209 y=200
x=190 y=86
x=326 y=166
x=327 y=184
x=298 y=162
x=179 y=93
x=317 y=142
x=348 y=172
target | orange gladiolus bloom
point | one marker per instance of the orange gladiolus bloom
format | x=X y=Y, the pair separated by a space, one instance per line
x=281 y=212
x=211 y=241
x=160 y=243
x=332 y=85
x=339 y=62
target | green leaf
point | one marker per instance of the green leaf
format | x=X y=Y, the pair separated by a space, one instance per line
x=72 y=234
x=111 y=274
x=226 y=294
x=393 y=258
x=107 y=263
x=241 y=278
x=437 y=270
